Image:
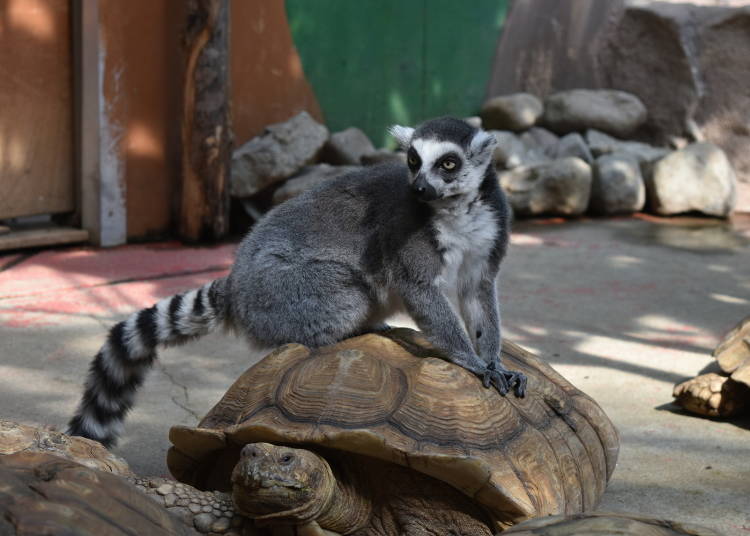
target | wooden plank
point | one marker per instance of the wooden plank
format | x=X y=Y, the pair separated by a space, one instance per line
x=36 y=142
x=48 y=236
x=206 y=133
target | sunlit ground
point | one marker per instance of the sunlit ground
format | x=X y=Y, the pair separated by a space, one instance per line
x=623 y=308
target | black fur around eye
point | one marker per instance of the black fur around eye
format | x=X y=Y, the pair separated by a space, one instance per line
x=449 y=164
x=412 y=159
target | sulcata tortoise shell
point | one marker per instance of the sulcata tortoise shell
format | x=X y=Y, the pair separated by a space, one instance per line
x=726 y=394
x=389 y=397
x=41 y=493
x=606 y=524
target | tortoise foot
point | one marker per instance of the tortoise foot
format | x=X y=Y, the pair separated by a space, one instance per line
x=711 y=395
x=503 y=380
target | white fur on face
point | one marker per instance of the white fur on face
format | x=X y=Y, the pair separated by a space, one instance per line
x=468 y=178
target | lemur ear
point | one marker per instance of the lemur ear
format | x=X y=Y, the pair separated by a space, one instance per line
x=482 y=145
x=402 y=134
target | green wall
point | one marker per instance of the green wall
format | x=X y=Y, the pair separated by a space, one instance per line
x=373 y=63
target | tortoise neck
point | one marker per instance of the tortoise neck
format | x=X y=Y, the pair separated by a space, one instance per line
x=350 y=505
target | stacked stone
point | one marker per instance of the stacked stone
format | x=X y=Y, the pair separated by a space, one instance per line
x=566 y=156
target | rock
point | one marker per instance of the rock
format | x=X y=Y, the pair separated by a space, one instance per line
x=221 y=525
x=381 y=156
x=347 y=147
x=540 y=142
x=516 y=112
x=612 y=111
x=617 y=186
x=509 y=152
x=281 y=151
x=601 y=143
x=723 y=113
x=573 y=145
x=309 y=177
x=203 y=522
x=561 y=187
x=165 y=489
x=697 y=178
x=690 y=65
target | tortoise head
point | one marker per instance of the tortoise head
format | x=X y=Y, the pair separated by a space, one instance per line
x=282 y=484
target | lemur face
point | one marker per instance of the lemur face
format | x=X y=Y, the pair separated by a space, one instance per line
x=447 y=158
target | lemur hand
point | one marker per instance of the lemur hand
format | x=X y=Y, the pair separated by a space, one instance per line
x=503 y=379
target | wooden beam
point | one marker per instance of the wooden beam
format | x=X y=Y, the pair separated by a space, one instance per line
x=206 y=129
x=30 y=238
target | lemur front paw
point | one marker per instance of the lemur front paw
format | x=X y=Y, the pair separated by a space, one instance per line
x=504 y=380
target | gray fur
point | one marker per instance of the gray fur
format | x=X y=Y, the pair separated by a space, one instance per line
x=337 y=260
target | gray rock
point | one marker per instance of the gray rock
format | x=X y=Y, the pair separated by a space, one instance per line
x=282 y=150
x=601 y=143
x=561 y=187
x=511 y=112
x=309 y=177
x=509 y=152
x=347 y=147
x=541 y=141
x=617 y=186
x=203 y=522
x=381 y=156
x=573 y=145
x=612 y=111
x=697 y=178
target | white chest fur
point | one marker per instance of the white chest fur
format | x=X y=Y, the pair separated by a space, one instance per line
x=466 y=234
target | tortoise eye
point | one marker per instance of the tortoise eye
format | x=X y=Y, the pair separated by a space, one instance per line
x=448 y=165
x=286 y=458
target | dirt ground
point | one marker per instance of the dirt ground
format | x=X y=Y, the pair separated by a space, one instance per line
x=623 y=308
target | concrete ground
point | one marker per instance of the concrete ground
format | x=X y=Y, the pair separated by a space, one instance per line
x=622 y=308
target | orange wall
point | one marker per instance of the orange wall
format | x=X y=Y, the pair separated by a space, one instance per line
x=268 y=84
x=142 y=86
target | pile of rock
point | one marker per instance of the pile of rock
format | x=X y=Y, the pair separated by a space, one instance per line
x=563 y=157
x=298 y=154
x=567 y=156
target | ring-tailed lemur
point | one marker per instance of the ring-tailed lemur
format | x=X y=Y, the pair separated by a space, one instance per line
x=337 y=261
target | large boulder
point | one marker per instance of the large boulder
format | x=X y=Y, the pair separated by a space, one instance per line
x=307 y=178
x=690 y=65
x=612 y=111
x=281 y=151
x=516 y=112
x=347 y=147
x=698 y=178
x=561 y=187
x=617 y=186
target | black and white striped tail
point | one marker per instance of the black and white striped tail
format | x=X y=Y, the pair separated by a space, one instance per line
x=122 y=362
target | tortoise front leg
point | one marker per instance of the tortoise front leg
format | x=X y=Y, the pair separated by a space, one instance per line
x=205 y=511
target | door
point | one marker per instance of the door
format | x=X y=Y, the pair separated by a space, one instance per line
x=36 y=108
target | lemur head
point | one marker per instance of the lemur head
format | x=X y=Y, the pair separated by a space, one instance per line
x=447 y=157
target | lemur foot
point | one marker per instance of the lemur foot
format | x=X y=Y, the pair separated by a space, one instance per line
x=503 y=379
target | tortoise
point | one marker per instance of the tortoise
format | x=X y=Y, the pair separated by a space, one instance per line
x=41 y=493
x=380 y=434
x=727 y=394
x=606 y=524
x=87 y=488
x=17 y=437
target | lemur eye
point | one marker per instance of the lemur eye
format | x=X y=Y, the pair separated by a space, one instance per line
x=412 y=160
x=448 y=165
